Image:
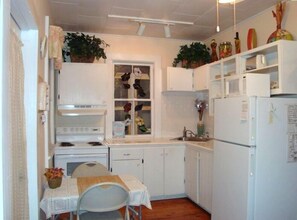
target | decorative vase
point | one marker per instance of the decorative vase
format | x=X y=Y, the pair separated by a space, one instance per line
x=54 y=183
x=251 y=39
x=279 y=33
x=200 y=129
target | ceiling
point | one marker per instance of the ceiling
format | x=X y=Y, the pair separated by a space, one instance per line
x=92 y=16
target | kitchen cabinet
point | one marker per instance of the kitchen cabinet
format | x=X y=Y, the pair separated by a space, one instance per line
x=192 y=174
x=198 y=176
x=276 y=60
x=201 y=78
x=164 y=171
x=174 y=163
x=127 y=161
x=83 y=83
x=205 y=180
x=153 y=170
x=179 y=79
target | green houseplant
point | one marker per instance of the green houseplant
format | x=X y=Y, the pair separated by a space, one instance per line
x=84 y=48
x=192 y=56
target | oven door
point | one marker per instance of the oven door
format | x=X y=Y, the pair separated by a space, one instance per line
x=70 y=161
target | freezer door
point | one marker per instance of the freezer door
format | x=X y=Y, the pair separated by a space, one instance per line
x=233 y=177
x=235 y=120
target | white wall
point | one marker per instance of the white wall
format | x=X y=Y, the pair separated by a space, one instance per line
x=30 y=15
x=5 y=186
x=167 y=50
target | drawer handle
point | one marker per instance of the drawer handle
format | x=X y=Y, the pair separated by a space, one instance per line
x=126 y=154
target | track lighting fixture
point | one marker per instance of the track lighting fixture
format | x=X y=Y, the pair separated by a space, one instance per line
x=167 y=31
x=141 y=29
x=143 y=21
x=229 y=1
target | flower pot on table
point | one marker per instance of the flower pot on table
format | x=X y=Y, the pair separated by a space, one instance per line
x=54 y=183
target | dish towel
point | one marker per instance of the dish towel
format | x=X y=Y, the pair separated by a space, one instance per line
x=55 y=45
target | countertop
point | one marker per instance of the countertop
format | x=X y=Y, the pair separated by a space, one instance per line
x=150 y=142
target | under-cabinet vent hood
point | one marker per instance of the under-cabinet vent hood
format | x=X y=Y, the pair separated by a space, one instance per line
x=81 y=110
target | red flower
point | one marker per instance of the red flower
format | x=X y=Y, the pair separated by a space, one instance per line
x=52 y=173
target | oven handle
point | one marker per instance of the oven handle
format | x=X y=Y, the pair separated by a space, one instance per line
x=61 y=156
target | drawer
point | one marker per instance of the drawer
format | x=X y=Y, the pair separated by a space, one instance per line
x=126 y=154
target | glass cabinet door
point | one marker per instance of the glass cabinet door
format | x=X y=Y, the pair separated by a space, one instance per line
x=132 y=97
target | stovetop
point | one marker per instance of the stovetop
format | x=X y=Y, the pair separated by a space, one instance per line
x=80 y=140
x=82 y=148
x=70 y=144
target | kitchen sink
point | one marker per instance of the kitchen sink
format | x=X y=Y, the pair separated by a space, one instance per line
x=198 y=139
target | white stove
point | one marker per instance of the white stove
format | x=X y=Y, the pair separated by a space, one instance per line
x=77 y=145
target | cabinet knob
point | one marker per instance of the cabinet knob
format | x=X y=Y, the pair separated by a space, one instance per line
x=126 y=154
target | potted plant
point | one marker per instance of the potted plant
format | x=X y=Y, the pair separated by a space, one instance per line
x=54 y=177
x=192 y=56
x=84 y=48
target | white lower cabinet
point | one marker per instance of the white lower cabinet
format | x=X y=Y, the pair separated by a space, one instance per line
x=153 y=170
x=192 y=174
x=174 y=168
x=127 y=161
x=168 y=171
x=164 y=171
x=198 y=175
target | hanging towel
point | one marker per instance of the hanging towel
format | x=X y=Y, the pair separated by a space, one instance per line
x=55 y=45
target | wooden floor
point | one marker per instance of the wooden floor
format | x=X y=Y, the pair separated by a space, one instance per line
x=173 y=209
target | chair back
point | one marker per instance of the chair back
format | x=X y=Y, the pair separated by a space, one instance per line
x=90 y=169
x=103 y=197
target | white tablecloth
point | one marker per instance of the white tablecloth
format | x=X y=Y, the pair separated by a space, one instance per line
x=64 y=199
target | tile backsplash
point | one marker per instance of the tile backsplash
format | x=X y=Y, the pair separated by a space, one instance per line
x=178 y=110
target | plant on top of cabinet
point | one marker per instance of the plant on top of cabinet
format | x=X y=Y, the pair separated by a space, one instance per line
x=192 y=56
x=83 y=48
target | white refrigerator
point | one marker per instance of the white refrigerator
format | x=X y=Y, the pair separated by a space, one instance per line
x=255 y=159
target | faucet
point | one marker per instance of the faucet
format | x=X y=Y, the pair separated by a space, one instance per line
x=185 y=131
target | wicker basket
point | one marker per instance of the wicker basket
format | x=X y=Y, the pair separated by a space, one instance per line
x=54 y=183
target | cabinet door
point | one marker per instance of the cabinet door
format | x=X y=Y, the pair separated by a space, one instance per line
x=131 y=167
x=83 y=83
x=179 y=79
x=206 y=172
x=153 y=170
x=192 y=174
x=174 y=167
x=201 y=76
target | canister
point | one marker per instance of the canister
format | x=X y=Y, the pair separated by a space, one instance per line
x=225 y=49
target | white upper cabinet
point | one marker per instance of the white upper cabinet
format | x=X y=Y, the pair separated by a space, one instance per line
x=179 y=79
x=266 y=70
x=278 y=59
x=83 y=83
x=201 y=78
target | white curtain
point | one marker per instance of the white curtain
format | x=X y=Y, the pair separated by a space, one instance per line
x=17 y=132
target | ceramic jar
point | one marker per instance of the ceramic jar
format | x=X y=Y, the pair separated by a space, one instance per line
x=225 y=49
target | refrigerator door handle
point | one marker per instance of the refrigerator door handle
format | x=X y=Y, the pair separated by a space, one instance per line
x=252 y=160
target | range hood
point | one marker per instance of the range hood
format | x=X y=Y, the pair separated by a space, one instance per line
x=82 y=110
